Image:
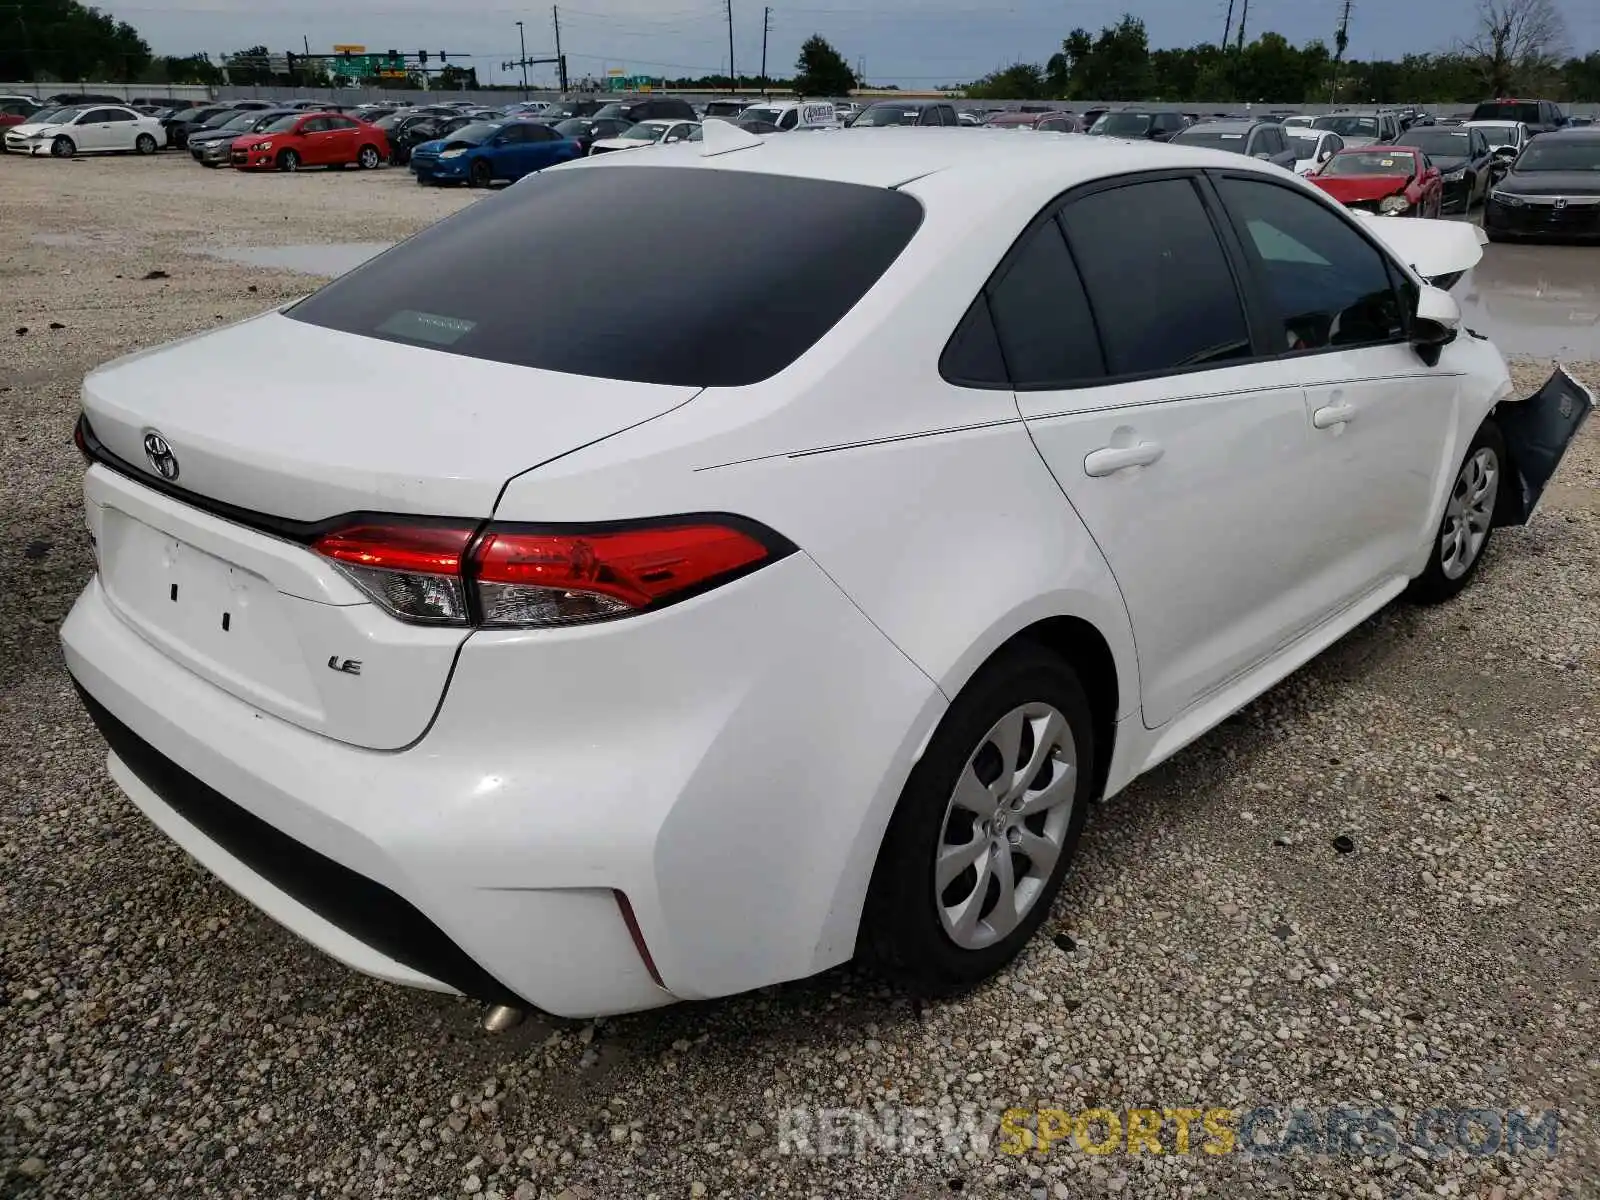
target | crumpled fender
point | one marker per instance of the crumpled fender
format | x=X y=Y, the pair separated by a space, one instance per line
x=1433 y=249
x=1537 y=432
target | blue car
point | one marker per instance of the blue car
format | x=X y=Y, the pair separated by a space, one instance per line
x=485 y=151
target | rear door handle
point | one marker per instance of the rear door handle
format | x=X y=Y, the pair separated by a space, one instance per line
x=1333 y=414
x=1110 y=459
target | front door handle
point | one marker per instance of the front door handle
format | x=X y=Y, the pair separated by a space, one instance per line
x=1110 y=459
x=1333 y=414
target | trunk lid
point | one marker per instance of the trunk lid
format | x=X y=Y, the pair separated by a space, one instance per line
x=294 y=424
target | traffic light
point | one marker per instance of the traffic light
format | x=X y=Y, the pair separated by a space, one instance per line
x=422 y=57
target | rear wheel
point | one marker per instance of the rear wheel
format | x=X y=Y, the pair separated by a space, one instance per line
x=1468 y=520
x=481 y=174
x=288 y=160
x=63 y=147
x=145 y=144
x=986 y=827
x=368 y=158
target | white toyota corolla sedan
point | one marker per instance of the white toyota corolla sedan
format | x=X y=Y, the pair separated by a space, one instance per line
x=493 y=652
x=86 y=129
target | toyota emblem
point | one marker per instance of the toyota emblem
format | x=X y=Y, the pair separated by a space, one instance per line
x=160 y=455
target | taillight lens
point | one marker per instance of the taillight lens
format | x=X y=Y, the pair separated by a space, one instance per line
x=517 y=578
x=413 y=570
x=566 y=578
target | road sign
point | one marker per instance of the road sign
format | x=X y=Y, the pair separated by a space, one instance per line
x=349 y=49
x=390 y=73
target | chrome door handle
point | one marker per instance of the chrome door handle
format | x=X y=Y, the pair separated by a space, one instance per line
x=1110 y=459
x=1333 y=414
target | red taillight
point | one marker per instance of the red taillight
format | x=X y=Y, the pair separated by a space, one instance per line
x=413 y=570
x=561 y=578
x=526 y=578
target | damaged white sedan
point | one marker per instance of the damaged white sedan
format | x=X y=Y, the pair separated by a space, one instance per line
x=493 y=653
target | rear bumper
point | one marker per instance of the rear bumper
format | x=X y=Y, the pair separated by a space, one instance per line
x=730 y=773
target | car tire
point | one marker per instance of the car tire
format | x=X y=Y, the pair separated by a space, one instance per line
x=1477 y=489
x=63 y=147
x=145 y=144
x=208 y=163
x=368 y=158
x=480 y=174
x=940 y=941
x=288 y=160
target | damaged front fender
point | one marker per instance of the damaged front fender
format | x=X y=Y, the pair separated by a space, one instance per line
x=1537 y=432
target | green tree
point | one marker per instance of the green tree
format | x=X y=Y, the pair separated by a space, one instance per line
x=249 y=68
x=821 y=70
x=1020 y=81
x=1117 y=67
x=63 y=39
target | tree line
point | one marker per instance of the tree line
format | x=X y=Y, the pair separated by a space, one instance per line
x=1517 y=47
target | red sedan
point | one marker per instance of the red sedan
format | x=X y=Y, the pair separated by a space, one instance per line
x=1396 y=181
x=315 y=139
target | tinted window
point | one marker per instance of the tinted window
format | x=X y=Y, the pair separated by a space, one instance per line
x=1214 y=138
x=1561 y=154
x=1046 y=331
x=1160 y=287
x=512 y=134
x=740 y=304
x=120 y=114
x=1509 y=110
x=1442 y=143
x=1330 y=286
x=973 y=356
x=340 y=123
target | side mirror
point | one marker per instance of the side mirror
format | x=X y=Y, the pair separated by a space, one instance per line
x=1435 y=324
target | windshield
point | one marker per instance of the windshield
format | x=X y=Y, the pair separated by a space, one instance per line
x=743 y=304
x=1439 y=143
x=478 y=131
x=242 y=121
x=1503 y=129
x=560 y=110
x=574 y=127
x=283 y=124
x=1542 y=155
x=888 y=114
x=725 y=108
x=1508 y=110
x=1348 y=126
x=760 y=112
x=610 y=112
x=1122 y=125
x=1370 y=162
x=187 y=114
x=1303 y=142
x=645 y=133
x=218 y=120
x=1214 y=139
x=388 y=123
x=54 y=116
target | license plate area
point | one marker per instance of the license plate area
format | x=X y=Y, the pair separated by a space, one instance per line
x=220 y=619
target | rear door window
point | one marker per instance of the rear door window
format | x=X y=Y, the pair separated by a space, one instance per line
x=737 y=305
x=1157 y=279
x=1046 y=331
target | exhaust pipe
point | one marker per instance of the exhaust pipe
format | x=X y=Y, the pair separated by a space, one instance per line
x=502 y=1017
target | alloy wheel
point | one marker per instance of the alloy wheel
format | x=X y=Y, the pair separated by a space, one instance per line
x=1469 y=513
x=1005 y=825
x=368 y=158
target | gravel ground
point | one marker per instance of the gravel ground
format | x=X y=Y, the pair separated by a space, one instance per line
x=1213 y=949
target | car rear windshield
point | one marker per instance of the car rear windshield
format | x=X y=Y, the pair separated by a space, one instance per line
x=1215 y=139
x=888 y=114
x=1123 y=124
x=1440 y=143
x=575 y=271
x=1348 y=126
x=1508 y=110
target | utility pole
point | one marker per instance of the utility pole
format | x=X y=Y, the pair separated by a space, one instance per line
x=524 y=47
x=1244 y=15
x=561 y=59
x=1227 y=27
x=732 y=77
x=1341 y=41
x=766 y=28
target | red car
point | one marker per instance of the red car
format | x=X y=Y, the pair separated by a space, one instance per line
x=313 y=139
x=1395 y=181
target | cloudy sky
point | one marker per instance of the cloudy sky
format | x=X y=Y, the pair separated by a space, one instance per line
x=909 y=42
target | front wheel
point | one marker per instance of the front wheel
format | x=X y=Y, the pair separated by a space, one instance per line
x=63 y=147
x=481 y=174
x=1468 y=520
x=986 y=827
x=368 y=158
x=145 y=144
x=288 y=160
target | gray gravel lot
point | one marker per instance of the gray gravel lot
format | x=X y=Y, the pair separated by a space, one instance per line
x=1213 y=949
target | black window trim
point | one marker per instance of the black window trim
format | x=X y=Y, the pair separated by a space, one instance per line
x=1260 y=292
x=1257 y=318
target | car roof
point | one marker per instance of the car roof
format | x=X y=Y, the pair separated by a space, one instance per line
x=973 y=167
